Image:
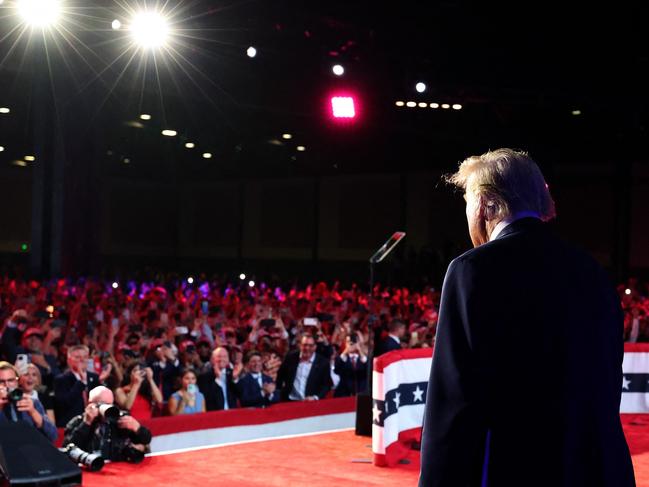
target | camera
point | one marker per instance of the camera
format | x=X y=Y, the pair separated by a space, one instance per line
x=16 y=395
x=353 y=338
x=111 y=413
x=92 y=461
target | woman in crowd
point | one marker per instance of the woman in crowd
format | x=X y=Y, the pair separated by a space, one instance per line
x=139 y=393
x=30 y=382
x=188 y=399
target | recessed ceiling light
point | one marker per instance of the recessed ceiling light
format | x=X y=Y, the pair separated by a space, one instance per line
x=422 y=104
x=4 y=110
x=169 y=133
x=457 y=106
x=411 y=104
x=287 y=136
x=576 y=112
x=29 y=158
x=116 y=24
x=251 y=52
x=446 y=106
x=434 y=105
x=145 y=116
x=420 y=87
x=189 y=145
x=399 y=103
x=300 y=148
x=2 y=148
x=19 y=163
x=338 y=70
x=207 y=155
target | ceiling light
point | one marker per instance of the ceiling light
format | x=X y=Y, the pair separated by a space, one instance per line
x=422 y=104
x=434 y=105
x=300 y=148
x=29 y=158
x=4 y=110
x=169 y=133
x=343 y=107
x=457 y=106
x=446 y=106
x=189 y=145
x=207 y=155
x=149 y=29
x=338 y=70
x=399 y=103
x=287 y=136
x=116 y=24
x=190 y=280
x=20 y=163
x=576 y=112
x=2 y=149
x=411 y=104
x=126 y=160
x=39 y=13
x=251 y=52
x=420 y=87
x=242 y=276
x=145 y=116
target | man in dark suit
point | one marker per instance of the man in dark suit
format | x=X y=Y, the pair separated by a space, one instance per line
x=351 y=366
x=256 y=389
x=218 y=382
x=526 y=376
x=71 y=388
x=304 y=375
x=396 y=330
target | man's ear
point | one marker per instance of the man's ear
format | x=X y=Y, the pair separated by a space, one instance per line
x=488 y=208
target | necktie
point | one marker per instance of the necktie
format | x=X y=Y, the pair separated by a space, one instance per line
x=354 y=362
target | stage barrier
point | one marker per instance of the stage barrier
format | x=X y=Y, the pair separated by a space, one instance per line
x=400 y=381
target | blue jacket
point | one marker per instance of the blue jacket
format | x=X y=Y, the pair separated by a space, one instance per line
x=48 y=428
x=250 y=393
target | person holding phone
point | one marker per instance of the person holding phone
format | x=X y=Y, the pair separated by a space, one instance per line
x=351 y=366
x=139 y=392
x=188 y=399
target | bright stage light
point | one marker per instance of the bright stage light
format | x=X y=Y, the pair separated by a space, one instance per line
x=399 y=103
x=242 y=276
x=189 y=145
x=420 y=87
x=446 y=106
x=338 y=70
x=456 y=106
x=627 y=291
x=169 y=133
x=411 y=104
x=145 y=116
x=251 y=283
x=251 y=52
x=434 y=105
x=287 y=136
x=422 y=104
x=39 y=13
x=115 y=285
x=207 y=155
x=343 y=107
x=190 y=280
x=4 y=110
x=29 y=158
x=2 y=149
x=149 y=30
x=116 y=24
x=300 y=148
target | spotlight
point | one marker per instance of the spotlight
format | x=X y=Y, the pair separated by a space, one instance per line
x=446 y=106
x=627 y=291
x=189 y=145
x=242 y=276
x=39 y=13
x=251 y=283
x=145 y=116
x=29 y=158
x=411 y=104
x=456 y=106
x=190 y=280
x=207 y=155
x=169 y=133
x=115 y=285
x=399 y=103
x=116 y=24
x=2 y=149
x=420 y=87
x=287 y=136
x=576 y=112
x=4 y=110
x=422 y=104
x=300 y=148
x=338 y=70
x=251 y=52
x=149 y=29
x=343 y=107
x=434 y=105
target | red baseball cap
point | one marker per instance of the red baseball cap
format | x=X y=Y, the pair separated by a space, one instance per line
x=33 y=331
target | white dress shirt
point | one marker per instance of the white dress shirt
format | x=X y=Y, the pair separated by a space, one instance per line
x=301 y=376
x=221 y=382
x=509 y=220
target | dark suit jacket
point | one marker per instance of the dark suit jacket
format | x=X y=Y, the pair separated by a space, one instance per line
x=68 y=396
x=213 y=393
x=318 y=383
x=250 y=393
x=527 y=369
x=353 y=378
x=387 y=345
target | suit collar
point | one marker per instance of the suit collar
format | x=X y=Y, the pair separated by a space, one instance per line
x=521 y=225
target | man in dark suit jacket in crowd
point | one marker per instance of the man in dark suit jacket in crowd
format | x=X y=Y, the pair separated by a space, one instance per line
x=218 y=382
x=396 y=330
x=304 y=375
x=526 y=377
x=256 y=389
x=71 y=388
x=351 y=366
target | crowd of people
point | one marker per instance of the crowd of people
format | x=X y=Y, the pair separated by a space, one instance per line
x=195 y=345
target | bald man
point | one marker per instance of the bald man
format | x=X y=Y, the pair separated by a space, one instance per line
x=91 y=431
x=217 y=383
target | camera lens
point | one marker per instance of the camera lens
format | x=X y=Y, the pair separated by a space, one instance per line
x=16 y=395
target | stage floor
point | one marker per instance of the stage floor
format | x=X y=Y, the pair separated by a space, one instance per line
x=323 y=459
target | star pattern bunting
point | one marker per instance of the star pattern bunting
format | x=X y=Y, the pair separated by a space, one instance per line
x=635 y=383
x=404 y=395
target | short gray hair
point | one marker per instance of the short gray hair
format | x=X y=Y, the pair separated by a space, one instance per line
x=509 y=178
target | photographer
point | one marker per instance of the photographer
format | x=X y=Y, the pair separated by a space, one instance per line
x=118 y=437
x=15 y=405
x=351 y=366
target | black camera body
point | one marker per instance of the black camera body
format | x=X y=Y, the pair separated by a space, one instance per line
x=16 y=395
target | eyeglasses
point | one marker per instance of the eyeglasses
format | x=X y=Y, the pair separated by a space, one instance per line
x=6 y=382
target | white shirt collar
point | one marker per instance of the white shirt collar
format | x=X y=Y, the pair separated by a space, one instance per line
x=502 y=224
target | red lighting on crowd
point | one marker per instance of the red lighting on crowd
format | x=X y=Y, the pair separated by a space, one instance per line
x=343 y=107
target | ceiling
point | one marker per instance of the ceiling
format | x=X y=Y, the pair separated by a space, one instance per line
x=520 y=73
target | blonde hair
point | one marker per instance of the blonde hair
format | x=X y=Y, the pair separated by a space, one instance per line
x=8 y=366
x=508 y=179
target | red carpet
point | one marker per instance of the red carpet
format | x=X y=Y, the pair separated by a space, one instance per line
x=314 y=461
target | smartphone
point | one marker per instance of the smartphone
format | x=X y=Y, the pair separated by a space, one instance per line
x=91 y=365
x=126 y=314
x=192 y=389
x=99 y=315
x=22 y=360
x=115 y=323
x=205 y=307
x=310 y=322
x=267 y=323
x=182 y=330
